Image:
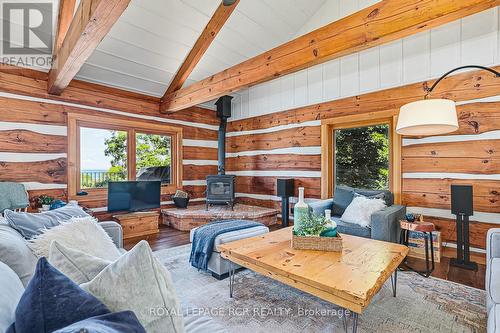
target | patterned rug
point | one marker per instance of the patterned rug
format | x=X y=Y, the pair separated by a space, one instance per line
x=261 y=304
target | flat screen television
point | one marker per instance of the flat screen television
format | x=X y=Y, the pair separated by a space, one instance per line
x=133 y=196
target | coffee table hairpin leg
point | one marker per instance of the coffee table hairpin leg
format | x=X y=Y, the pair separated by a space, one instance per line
x=394 y=282
x=231 y=278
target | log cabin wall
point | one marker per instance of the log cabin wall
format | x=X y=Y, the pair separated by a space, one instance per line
x=287 y=144
x=33 y=133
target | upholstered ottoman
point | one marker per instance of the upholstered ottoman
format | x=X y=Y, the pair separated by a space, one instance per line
x=220 y=266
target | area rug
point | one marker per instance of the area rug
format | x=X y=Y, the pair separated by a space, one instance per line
x=261 y=304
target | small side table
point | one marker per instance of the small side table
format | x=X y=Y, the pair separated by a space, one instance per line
x=426 y=228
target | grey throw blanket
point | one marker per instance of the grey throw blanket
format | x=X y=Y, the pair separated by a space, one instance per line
x=204 y=238
x=12 y=196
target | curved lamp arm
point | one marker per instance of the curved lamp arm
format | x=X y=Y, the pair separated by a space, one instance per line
x=429 y=90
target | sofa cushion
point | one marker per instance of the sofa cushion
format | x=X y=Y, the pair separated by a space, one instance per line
x=351 y=228
x=83 y=234
x=341 y=199
x=52 y=301
x=16 y=254
x=493 y=280
x=77 y=265
x=11 y=290
x=32 y=224
x=137 y=281
x=118 y=322
x=234 y=235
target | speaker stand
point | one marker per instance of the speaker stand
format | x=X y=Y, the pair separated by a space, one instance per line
x=285 y=208
x=463 y=245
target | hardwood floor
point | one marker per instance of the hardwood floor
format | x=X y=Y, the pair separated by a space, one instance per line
x=169 y=237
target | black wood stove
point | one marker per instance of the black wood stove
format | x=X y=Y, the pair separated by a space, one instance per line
x=221 y=187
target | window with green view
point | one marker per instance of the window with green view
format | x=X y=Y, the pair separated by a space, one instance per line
x=153 y=157
x=103 y=157
x=362 y=157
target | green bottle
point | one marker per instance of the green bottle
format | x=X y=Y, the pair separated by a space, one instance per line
x=300 y=210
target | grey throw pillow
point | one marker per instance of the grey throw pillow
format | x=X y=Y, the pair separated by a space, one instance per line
x=341 y=199
x=16 y=254
x=137 y=281
x=78 y=266
x=32 y=224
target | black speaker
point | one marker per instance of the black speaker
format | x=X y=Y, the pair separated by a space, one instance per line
x=285 y=188
x=461 y=200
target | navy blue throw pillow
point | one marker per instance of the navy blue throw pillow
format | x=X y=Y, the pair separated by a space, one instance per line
x=52 y=301
x=118 y=322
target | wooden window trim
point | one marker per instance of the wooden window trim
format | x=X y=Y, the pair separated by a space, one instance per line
x=361 y=120
x=77 y=120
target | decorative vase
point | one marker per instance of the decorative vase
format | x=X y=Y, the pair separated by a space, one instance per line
x=331 y=225
x=300 y=210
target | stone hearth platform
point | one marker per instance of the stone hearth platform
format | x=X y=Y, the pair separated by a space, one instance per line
x=196 y=215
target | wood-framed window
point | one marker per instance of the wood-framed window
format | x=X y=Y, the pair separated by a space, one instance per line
x=361 y=151
x=109 y=148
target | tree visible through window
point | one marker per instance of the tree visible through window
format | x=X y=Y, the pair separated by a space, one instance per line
x=153 y=157
x=103 y=157
x=362 y=157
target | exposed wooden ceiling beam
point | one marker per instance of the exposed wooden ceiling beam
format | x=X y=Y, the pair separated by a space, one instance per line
x=381 y=23
x=92 y=21
x=200 y=47
x=66 y=11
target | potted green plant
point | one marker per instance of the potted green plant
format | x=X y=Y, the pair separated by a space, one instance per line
x=311 y=225
x=45 y=201
x=316 y=232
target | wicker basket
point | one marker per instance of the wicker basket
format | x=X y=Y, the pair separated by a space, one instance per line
x=317 y=243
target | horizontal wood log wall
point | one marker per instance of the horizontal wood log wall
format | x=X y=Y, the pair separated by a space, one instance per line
x=287 y=144
x=33 y=137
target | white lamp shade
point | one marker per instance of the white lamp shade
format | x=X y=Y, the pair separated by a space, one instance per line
x=427 y=117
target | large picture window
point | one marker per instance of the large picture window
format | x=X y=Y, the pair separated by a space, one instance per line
x=362 y=157
x=361 y=151
x=117 y=149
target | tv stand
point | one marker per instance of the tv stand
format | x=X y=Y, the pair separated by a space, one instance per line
x=138 y=224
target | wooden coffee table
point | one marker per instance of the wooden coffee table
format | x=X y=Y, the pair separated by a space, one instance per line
x=348 y=279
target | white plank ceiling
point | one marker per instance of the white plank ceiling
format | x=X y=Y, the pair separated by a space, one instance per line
x=149 y=42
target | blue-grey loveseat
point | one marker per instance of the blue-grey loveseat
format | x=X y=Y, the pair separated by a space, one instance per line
x=493 y=279
x=384 y=223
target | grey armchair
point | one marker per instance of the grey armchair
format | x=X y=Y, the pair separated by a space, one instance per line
x=493 y=279
x=384 y=224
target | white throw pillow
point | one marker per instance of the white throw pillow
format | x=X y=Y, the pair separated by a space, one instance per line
x=137 y=281
x=77 y=265
x=360 y=210
x=80 y=233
